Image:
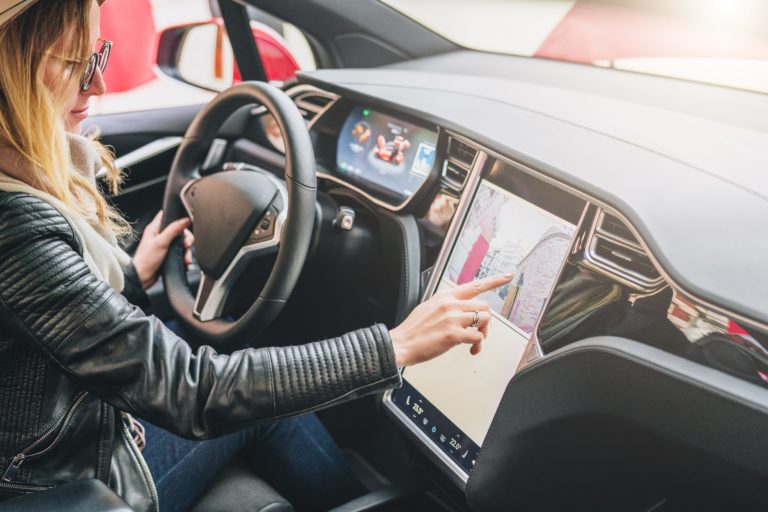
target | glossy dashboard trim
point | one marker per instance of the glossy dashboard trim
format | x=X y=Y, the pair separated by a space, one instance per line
x=366 y=195
x=142 y=154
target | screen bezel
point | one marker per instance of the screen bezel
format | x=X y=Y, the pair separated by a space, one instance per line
x=481 y=169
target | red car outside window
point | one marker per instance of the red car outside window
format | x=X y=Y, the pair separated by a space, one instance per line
x=130 y=25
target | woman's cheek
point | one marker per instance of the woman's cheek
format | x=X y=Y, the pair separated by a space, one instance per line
x=59 y=84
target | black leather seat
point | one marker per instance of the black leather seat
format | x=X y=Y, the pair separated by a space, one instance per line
x=238 y=489
x=90 y=495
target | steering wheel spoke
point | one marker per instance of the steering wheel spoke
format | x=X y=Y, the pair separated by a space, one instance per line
x=210 y=299
x=184 y=197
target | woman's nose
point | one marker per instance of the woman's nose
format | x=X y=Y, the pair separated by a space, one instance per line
x=98 y=84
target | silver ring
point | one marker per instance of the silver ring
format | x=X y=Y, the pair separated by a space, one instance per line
x=475 y=319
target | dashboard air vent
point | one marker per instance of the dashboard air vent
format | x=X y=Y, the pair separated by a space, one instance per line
x=308 y=115
x=461 y=152
x=458 y=163
x=454 y=176
x=613 y=248
x=614 y=227
x=312 y=103
x=315 y=101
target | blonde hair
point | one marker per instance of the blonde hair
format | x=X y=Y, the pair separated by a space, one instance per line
x=31 y=111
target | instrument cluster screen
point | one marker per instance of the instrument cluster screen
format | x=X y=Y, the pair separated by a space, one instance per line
x=383 y=154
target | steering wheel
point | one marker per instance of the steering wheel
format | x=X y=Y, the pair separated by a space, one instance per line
x=238 y=215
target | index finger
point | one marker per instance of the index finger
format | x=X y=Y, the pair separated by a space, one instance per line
x=471 y=290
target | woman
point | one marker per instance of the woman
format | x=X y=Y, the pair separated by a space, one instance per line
x=78 y=361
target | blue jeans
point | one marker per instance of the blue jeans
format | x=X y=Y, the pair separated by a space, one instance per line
x=296 y=456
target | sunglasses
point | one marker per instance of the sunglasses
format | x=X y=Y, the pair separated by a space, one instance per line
x=97 y=60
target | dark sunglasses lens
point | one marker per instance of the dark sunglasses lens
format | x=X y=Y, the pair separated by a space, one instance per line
x=104 y=56
x=90 y=69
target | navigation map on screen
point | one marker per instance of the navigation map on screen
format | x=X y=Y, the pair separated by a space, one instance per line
x=504 y=233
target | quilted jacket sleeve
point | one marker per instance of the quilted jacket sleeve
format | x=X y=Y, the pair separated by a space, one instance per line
x=49 y=297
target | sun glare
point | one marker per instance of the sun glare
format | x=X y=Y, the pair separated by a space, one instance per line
x=728 y=12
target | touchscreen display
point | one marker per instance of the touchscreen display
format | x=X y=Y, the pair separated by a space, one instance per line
x=384 y=154
x=453 y=398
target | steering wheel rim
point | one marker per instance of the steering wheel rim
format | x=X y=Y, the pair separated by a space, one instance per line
x=293 y=239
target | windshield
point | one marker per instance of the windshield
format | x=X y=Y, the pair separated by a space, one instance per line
x=723 y=42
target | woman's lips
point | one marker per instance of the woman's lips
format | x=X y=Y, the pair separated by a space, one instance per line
x=80 y=114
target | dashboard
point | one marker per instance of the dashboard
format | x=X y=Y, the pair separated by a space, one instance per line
x=578 y=212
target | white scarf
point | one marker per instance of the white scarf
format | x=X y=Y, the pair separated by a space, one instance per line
x=100 y=248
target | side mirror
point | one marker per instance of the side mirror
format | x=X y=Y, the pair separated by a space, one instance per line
x=200 y=54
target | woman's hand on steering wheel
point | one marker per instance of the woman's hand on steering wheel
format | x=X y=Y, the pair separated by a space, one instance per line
x=154 y=244
x=449 y=318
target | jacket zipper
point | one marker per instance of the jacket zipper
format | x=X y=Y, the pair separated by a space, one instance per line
x=56 y=431
x=24 y=487
x=128 y=435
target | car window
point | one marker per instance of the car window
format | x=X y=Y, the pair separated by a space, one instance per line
x=723 y=42
x=134 y=82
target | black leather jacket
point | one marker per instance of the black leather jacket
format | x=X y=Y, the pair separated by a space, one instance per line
x=75 y=355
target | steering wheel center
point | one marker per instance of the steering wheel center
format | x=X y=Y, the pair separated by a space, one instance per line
x=228 y=210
